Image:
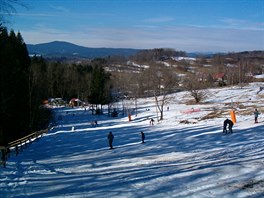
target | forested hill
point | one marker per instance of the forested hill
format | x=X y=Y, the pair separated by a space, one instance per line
x=59 y=49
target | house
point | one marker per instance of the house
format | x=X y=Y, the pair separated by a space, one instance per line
x=219 y=78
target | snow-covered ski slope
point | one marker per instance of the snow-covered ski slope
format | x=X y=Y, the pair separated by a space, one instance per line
x=177 y=160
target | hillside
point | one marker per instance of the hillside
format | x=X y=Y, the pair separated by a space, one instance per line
x=177 y=160
x=60 y=49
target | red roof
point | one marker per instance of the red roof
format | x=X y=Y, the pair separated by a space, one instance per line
x=218 y=75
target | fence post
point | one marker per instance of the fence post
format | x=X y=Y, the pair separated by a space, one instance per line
x=17 y=150
x=4 y=156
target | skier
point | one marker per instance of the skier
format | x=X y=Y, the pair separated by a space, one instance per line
x=110 y=138
x=142 y=137
x=256 y=114
x=230 y=126
x=151 y=121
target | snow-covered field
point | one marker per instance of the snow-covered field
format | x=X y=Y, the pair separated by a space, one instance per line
x=177 y=160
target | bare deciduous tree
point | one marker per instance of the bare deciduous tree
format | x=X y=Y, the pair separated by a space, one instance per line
x=196 y=88
x=163 y=82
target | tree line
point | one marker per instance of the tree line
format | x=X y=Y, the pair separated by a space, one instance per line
x=88 y=82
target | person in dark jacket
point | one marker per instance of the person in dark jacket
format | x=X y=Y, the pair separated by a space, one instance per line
x=142 y=137
x=110 y=138
x=230 y=126
x=256 y=114
x=151 y=122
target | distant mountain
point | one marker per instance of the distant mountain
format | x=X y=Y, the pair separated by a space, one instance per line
x=58 y=49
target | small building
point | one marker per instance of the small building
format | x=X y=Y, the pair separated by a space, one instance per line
x=219 y=78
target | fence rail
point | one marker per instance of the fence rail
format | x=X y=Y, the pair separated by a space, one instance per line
x=18 y=145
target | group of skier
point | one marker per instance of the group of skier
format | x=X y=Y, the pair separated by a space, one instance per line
x=229 y=123
x=110 y=138
x=227 y=128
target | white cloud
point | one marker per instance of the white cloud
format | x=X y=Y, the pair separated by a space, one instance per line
x=59 y=8
x=158 y=20
x=241 y=24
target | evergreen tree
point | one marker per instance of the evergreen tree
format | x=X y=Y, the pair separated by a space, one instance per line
x=98 y=92
x=14 y=83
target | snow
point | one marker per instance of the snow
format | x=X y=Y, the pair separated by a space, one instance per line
x=184 y=58
x=164 y=63
x=177 y=160
x=259 y=76
x=137 y=65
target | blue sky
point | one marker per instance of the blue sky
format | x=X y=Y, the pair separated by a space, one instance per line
x=189 y=25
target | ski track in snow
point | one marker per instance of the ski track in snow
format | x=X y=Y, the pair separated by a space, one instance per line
x=177 y=160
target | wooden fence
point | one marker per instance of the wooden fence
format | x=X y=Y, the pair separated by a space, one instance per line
x=18 y=145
